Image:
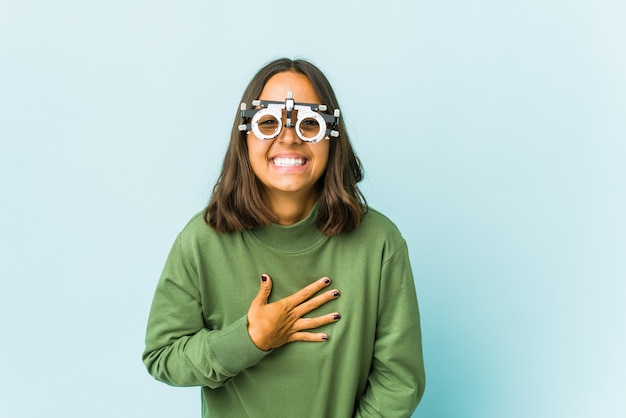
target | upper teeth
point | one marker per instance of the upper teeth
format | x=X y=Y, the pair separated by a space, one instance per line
x=289 y=161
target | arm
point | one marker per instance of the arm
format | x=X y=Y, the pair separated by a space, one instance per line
x=396 y=381
x=180 y=350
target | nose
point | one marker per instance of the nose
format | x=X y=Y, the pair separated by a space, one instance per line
x=288 y=134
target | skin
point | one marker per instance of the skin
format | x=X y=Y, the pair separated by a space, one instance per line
x=290 y=193
x=272 y=325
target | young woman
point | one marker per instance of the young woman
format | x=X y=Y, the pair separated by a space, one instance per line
x=287 y=296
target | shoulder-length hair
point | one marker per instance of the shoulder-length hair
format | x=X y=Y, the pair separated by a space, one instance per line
x=237 y=202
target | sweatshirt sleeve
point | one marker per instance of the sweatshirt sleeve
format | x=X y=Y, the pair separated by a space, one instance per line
x=180 y=350
x=397 y=379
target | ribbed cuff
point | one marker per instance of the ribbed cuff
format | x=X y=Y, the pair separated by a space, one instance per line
x=233 y=349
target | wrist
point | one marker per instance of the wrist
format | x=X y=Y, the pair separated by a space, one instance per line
x=256 y=338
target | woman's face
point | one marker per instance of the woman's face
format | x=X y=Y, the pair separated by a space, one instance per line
x=286 y=165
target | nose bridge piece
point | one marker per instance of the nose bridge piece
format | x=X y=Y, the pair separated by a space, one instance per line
x=289 y=135
x=289 y=105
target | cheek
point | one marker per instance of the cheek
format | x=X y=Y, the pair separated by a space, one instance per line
x=257 y=149
x=253 y=156
x=322 y=155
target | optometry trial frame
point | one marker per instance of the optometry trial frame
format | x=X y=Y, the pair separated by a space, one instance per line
x=266 y=120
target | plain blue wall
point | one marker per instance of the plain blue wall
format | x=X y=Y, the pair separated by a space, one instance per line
x=492 y=132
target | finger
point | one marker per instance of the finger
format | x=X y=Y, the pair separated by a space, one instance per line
x=308 y=336
x=264 y=290
x=316 y=302
x=312 y=323
x=306 y=292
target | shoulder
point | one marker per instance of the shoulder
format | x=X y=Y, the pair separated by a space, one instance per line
x=195 y=225
x=198 y=233
x=374 y=222
x=378 y=233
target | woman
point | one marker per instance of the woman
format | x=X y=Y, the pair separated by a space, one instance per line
x=287 y=297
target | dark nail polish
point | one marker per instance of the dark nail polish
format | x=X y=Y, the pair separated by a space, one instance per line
x=327 y=280
x=263 y=277
x=336 y=317
x=324 y=337
x=336 y=293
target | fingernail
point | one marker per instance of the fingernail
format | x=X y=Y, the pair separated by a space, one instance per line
x=324 y=337
x=263 y=278
x=336 y=317
x=327 y=280
x=336 y=293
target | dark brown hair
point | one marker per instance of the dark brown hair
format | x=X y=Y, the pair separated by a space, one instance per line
x=237 y=202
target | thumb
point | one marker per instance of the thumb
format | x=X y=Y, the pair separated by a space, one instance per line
x=264 y=290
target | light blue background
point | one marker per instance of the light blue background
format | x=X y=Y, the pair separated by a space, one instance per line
x=492 y=132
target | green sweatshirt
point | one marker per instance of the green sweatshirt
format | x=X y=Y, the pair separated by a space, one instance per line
x=371 y=365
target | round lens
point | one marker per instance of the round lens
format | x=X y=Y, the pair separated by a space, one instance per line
x=309 y=128
x=266 y=123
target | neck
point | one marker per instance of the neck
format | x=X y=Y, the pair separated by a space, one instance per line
x=289 y=209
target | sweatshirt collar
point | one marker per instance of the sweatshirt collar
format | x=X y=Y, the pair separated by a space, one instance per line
x=295 y=238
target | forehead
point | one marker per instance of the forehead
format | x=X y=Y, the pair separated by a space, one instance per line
x=279 y=84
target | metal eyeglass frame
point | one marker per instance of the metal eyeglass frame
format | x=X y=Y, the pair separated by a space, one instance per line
x=305 y=111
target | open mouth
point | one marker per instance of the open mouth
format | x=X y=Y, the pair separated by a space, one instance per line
x=289 y=162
